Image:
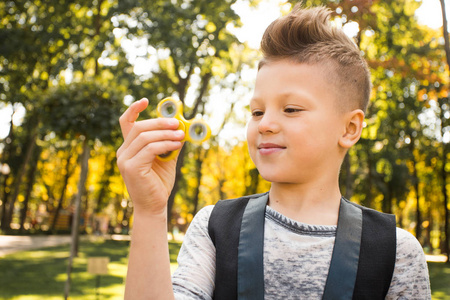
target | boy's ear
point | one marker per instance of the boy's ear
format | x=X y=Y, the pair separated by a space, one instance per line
x=353 y=128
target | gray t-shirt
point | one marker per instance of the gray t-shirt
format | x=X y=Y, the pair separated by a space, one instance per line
x=296 y=261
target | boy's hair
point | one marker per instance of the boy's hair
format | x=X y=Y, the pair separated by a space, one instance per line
x=306 y=36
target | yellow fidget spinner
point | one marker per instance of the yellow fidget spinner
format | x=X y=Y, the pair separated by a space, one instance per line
x=196 y=130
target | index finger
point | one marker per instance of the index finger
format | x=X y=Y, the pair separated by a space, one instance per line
x=130 y=116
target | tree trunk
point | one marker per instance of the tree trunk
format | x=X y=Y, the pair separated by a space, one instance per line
x=50 y=195
x=178 y=175
x=446 y=237
x=416 y=188
x=427 y=241
x=445 y=196
x=418 y=212
x=368 y=199
x=444 y=155
x=201 y=155
x=400 y=219
x=5 y=197
x=20 y=175
x=8 y=149
x=387 y=201
x=76 y=214
x=30 y=182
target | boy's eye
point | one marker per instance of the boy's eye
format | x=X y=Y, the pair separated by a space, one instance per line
x=257 y=113
x=291 y=110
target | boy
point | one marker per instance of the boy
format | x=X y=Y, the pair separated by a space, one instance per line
x=311 y=92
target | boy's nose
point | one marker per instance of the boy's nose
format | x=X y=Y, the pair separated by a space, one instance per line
x=268 y=124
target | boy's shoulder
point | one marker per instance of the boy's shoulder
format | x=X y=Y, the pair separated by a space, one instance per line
x=410 y=278
x=408 y=245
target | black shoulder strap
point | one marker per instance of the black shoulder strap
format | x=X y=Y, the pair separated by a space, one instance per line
x=250 y=250
x=377 y=253
x=341 y=277
x=377 y=257
x=224 y=228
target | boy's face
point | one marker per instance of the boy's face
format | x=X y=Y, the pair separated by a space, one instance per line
x=295 y=126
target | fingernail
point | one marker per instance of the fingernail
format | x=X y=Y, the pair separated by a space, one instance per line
x=179 y=133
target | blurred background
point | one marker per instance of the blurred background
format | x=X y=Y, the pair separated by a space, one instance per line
x=69 y=69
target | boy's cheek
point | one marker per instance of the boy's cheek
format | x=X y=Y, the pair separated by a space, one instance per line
x=251 y=132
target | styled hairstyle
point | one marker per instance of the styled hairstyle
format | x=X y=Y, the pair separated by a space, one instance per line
x=306 y=36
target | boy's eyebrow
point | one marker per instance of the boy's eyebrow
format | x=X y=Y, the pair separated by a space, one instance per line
x=297 y=95
x=254 y=100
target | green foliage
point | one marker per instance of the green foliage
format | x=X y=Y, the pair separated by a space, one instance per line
x=38 y=40
x=186 y=38
x=85 y=109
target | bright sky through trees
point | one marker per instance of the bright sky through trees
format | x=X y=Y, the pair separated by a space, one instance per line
x=255 y=20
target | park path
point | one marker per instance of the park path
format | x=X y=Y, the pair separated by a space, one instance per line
x=13 y=243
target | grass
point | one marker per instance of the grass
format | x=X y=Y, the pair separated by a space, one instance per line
x=41 y=274
x=440 y=280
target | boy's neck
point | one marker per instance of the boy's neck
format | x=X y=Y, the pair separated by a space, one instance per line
x=307 y=203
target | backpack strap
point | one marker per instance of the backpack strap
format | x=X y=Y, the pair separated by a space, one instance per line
x=250 y=250
x=224 y=229
x=377 y=257
x=341 y=277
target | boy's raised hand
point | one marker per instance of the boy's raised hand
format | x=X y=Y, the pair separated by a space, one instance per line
x=149 y=180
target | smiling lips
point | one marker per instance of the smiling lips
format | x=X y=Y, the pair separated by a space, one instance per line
x=269 y=148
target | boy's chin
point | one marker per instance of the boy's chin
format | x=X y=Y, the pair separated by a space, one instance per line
x=276 y=178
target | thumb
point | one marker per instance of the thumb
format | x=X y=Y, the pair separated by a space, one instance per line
x=130 y=116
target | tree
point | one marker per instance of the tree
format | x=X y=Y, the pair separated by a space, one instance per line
x=445 y=150
x=34 y=50
x=88 y=111
x=38 y=42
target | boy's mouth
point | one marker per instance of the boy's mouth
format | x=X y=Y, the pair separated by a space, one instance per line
x=269 y=148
